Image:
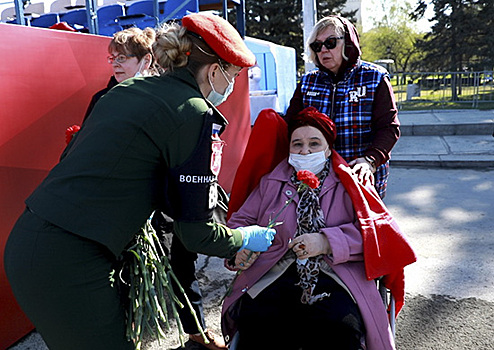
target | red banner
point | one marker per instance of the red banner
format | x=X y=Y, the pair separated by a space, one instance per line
x=48 y=79
x=237 y=110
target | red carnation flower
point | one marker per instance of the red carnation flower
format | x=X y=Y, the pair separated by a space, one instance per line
x=309 y=178
x=70 y=132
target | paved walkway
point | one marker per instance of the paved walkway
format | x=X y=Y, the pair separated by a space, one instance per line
x=446 y=138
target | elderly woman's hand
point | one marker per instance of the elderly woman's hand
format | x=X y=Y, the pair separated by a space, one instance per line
x=309 y=245
x=364 y=170
x=245 y=258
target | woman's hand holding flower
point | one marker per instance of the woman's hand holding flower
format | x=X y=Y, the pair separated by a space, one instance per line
x=245 y=258
x=309 y=245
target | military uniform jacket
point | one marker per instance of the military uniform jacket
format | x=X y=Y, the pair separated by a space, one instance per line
x=150 y=143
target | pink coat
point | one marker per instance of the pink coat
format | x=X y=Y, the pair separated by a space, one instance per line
x=343 y=233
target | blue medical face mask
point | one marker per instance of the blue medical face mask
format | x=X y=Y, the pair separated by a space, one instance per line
x=215 y=97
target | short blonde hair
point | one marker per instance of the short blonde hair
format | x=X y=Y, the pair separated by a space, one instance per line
x=133 y=41
x=321 y=26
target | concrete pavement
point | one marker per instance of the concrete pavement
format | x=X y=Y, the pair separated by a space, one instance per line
x=445 y=138
x=447 y=214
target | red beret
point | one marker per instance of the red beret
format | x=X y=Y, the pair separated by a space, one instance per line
x=221 y=36
x=310 y=116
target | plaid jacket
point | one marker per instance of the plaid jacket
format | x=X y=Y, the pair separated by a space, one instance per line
x=349 y=103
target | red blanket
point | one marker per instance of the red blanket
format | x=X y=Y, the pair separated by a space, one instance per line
x=386 y=250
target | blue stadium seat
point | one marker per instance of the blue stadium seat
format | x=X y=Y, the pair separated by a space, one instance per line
x=45 y=20
x=139 y=14
x=109 y=29
x=205 y=5
x=145 y=7
x=138 y=20
x=146 y=22
x=107 y=15
x=75 y=17
x=176 y=9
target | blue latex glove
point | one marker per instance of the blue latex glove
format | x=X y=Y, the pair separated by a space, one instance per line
x=257 y=238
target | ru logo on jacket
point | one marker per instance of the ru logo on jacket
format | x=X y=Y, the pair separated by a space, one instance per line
x=356 y=94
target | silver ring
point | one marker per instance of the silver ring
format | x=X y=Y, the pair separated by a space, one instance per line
x=305 y=252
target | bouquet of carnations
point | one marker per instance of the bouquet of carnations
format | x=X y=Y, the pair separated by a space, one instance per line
x=147 y=276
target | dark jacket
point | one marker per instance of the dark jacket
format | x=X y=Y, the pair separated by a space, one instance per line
x=114 y=172
x=111 y=83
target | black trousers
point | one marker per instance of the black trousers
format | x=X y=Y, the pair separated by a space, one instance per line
x=61 y=281
x=183 y=263
x=276 y=319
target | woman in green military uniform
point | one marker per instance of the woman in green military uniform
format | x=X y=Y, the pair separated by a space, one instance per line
x=147 y=144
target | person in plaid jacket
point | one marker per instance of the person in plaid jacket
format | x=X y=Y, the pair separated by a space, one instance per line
x=356 y=94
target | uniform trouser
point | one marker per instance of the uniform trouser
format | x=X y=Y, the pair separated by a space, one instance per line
x=61 y=282
x=276 y=319
x=183 y=263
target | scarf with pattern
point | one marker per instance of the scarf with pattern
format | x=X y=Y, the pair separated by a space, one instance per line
x=310 y=219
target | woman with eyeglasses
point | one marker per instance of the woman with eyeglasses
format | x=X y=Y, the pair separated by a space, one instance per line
x=356 y=94
x=130 y=55
x=149 y=143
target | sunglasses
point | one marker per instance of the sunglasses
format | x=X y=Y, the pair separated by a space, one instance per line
x=121 y=58
x=329 y=43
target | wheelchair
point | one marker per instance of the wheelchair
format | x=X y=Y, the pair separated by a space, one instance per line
x=388 y=301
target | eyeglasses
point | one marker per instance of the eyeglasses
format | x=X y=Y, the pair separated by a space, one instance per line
x=225 y=73
x=329 y=43
x=120 y=58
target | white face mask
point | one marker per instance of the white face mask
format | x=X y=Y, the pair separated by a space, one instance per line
x=313 y=162
x=138 y=73
x=215 y=97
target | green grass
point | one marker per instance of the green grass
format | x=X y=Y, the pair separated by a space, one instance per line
x=442 y=98
x=425 y=105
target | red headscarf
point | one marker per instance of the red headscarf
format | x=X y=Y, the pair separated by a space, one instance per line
x=310 y=116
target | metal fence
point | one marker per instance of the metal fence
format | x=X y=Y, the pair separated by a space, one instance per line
x=444 y=90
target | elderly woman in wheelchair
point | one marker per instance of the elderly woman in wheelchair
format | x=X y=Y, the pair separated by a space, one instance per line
x=312 y=289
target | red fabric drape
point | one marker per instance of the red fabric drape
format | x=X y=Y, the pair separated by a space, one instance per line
x=386 y=250
x=267 y=146
x=236 y=110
